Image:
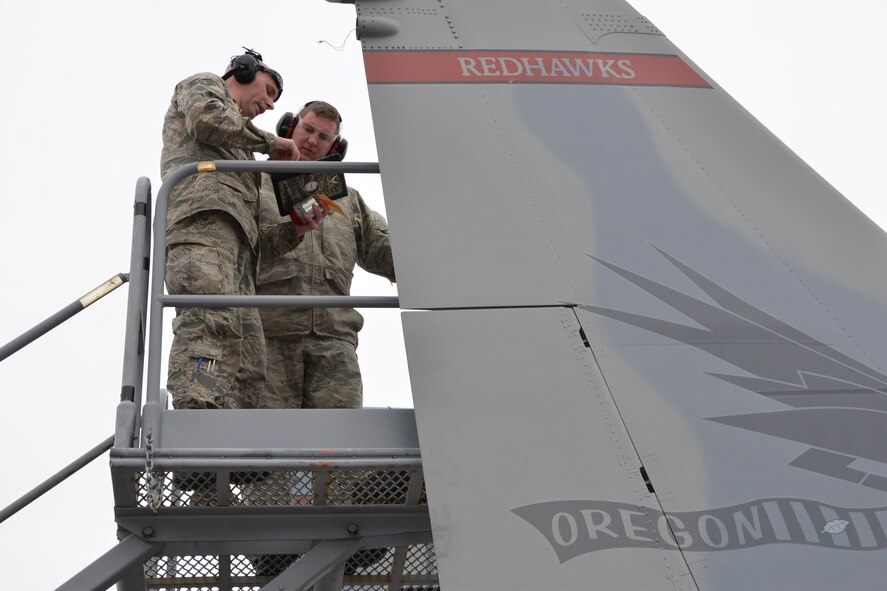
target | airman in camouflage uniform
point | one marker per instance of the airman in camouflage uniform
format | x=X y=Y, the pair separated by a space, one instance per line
x=217 y=358
x=312 y=359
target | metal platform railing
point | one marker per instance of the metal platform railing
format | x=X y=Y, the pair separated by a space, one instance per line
x=159 y=300
x=253 y=498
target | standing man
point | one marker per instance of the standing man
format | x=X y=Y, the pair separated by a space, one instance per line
x=312 y=358
x=217 y=358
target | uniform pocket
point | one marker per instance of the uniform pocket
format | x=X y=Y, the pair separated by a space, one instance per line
x=205 y=350
x=339 y=283
x=193 y=268
x=242 y=183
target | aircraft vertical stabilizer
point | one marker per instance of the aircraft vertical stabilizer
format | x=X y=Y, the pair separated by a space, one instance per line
x=645 y=339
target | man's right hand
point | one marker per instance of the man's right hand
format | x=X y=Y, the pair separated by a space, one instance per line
x=284 y=149
x=312 y=222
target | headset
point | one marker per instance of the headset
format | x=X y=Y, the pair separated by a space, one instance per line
x=245 y=67
x=286 y=127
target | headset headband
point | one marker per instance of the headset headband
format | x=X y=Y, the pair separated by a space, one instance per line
x=309 y=103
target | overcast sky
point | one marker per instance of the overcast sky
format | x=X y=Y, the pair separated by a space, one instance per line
x=84 y=92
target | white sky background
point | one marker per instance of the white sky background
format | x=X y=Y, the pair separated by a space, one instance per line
x=83 y=97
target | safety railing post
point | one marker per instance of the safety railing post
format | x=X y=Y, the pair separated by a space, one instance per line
x=151 y=411
x=136 y=318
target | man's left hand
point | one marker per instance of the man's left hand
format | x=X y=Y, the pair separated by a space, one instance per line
x=284 y=149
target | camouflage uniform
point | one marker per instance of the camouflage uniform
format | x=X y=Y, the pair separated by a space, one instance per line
x=312 y=359
x=217 y=358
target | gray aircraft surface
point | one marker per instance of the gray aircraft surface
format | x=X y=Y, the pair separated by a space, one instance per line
x=658 y=333
x=649 y=355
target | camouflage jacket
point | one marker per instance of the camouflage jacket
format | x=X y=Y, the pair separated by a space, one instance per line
x=322 y=265
x=204 y=123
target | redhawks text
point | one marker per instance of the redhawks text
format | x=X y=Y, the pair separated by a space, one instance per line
x=552 y=67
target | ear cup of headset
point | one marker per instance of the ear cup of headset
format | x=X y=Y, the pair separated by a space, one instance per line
x=287 y=125
x=339 y=147
x=244 y=68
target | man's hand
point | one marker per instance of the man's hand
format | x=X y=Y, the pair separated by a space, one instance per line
x=320 y=211
x=284 y=149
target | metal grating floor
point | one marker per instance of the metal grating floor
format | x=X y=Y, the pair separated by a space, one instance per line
x=393 y=568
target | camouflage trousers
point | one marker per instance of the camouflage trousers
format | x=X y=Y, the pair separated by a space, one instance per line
x=217 y=358
x=311 y=371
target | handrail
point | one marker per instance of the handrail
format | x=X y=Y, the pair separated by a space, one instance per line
x=279 y=301
x=136 y=318
x=72 y=309
x=159 y=301
x=55 y=479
